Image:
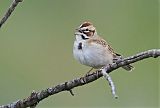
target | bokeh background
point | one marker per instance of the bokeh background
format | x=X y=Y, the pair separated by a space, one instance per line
x=36 y=51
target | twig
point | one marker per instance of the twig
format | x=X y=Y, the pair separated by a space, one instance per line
x=36 y=97
x=9 y=11
x=109 y=79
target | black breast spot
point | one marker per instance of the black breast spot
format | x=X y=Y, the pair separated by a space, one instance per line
x=80 y=46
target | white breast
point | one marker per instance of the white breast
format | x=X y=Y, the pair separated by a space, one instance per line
x=92 y=55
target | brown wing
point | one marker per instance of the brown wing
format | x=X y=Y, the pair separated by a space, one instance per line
x=102 y=42
x=112 y=51
x=98 y=41
x=116 y=56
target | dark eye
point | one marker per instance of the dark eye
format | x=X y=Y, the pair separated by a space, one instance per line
x=87 y=29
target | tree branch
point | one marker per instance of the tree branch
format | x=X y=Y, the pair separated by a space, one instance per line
x=36 y=97
x=9 y=11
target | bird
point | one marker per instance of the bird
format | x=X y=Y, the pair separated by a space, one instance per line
x=92 y=50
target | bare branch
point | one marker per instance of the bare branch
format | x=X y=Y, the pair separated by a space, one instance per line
x=9 y=11
x=109 y=79
x=36 y=97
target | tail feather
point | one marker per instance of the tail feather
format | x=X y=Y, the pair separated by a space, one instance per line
x=127 y=67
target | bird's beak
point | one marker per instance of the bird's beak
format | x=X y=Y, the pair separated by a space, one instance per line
x=78 y=30
x=76 y=33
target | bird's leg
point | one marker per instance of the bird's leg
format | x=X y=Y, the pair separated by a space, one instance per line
x=89 y=71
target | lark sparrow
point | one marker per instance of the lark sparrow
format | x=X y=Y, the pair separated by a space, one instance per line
x=91 y=50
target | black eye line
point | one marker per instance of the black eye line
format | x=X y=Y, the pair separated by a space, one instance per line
x=80 y=31
x=84 y=38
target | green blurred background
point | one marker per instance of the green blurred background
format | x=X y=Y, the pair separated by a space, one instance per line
x=36 y=51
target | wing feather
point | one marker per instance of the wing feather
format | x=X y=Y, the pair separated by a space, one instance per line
x=102 y=42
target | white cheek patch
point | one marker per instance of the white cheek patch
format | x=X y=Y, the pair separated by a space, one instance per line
x=83 y=28
x=86 y=31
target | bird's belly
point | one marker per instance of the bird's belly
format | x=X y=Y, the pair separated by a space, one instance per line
x=95 y=58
